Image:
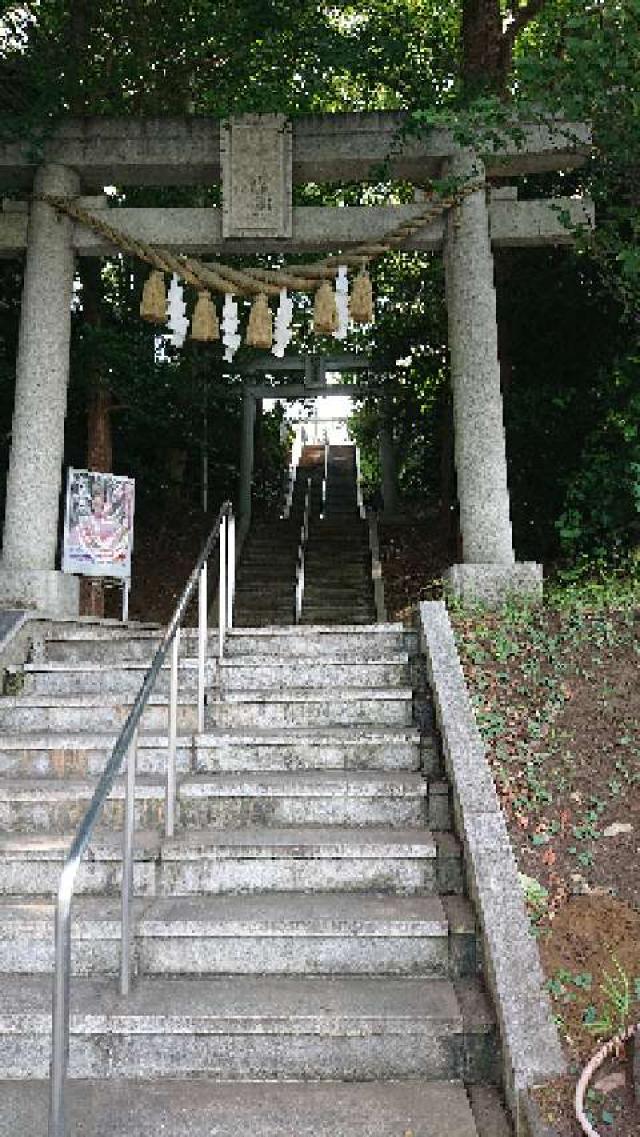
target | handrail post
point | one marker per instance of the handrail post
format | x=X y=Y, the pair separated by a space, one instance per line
x=202 y=644
x=128 y=830
x=231 y=568
x=376 y=568
x=222 y=582
x=60 y=1014
x=170 y=794
x=359 y=497
x=304 y=537
x=296 y=452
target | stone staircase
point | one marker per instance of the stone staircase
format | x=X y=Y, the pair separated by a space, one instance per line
x=305 y=958
x=338 y=582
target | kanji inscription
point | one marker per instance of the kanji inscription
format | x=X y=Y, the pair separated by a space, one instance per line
x=256 y=156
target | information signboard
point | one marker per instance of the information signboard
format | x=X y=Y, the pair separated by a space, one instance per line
x=98 y=525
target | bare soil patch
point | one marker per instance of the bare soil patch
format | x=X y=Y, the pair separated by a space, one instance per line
x=557 y=699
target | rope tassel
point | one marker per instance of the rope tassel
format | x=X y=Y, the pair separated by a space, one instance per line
x=361 y=302
x=153 y=305
x=260 y=327
x=325 y=313
x=204 y=322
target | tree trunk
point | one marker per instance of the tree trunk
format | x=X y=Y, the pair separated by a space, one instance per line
x=99 y=439
x=483 y=66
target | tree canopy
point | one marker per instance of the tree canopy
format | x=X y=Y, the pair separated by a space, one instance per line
x=568 y=319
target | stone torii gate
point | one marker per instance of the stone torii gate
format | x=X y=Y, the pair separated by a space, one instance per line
x=258 y=159
x=313 y=369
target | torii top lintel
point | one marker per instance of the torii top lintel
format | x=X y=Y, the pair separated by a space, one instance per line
x=326 y=147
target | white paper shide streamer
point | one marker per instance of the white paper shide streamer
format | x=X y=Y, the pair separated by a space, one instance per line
x=342 y=303
x=230 y=336
x=176 y=313
x=282 y=326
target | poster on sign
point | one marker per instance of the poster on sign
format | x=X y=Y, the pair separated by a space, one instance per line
x=98 y=525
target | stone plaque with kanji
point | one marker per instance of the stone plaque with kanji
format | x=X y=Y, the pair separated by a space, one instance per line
x=256 y=157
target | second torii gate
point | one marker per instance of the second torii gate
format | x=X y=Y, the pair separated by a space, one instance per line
x=259 y=158
x=314 y=369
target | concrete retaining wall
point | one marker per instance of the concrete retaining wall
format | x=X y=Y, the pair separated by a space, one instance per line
x=531 y=1047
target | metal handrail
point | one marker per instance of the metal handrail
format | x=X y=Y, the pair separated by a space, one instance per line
x=304 y=537
x=126 y=744
x=323 y=508
x=296 y=453
x=359 y=497
x=376 y=567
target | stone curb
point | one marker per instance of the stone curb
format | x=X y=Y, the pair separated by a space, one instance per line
x=531 y=1048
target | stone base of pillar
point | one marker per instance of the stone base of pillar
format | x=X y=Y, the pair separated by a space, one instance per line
x=50 y=592
x=493 y=584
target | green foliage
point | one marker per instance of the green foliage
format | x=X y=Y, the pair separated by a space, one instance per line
x=536 y=898
x=567 y=319
x=614 y=1014
x=601 y=516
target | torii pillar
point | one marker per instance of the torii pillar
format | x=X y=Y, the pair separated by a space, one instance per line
x=388 y=476
x=489 y=571
x=28 y=574
x=247 y=448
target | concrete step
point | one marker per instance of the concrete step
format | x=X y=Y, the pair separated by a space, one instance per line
x=301 y=798
x=271 y=551
x=263 y=614
x=317 y=585
x=351 y=569
x=222 y=800
x=31 y=865
x=300 y=707
x=83 y=754
x=281 y=551
x=277 y=934
x=336 y=748
x=337 y=616
x=120 y=650
x=264 y=566
x=340 y=549
x=111 y=678
x=57 y=805
x=439 y=810
x=86 y=628
x=246 y=1028
x=317 y=591
x=246 y=860
x=264 y=594
x=87 y=712
x=322 y=609
x=207 y=1107
x=258 y=574
x=261 y=595
x=316 y=596
x=489 y=1112
x=330 y=859
x=261 y=607
x=251 y=619
x=241 y=674
x=357 y=643
x=266 y=571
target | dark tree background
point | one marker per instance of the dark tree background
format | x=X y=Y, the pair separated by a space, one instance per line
x=567 y=318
